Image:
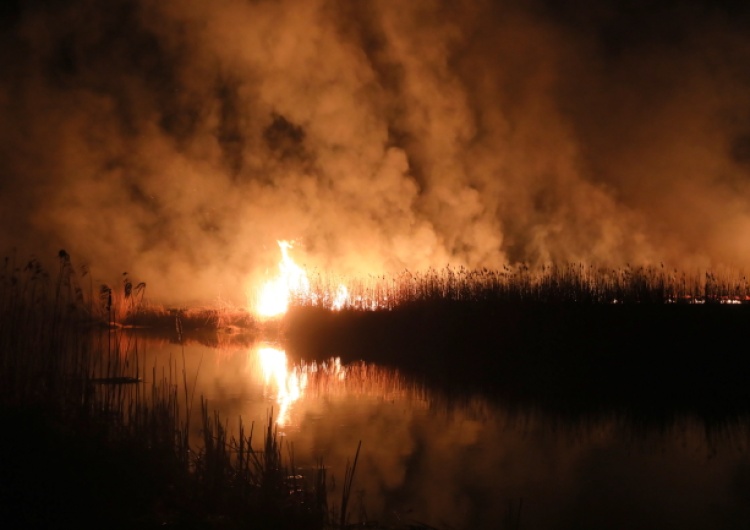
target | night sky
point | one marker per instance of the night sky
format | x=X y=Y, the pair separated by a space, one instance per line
x=179 y=140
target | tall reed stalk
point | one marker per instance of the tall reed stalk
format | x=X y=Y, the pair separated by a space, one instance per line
x=573 y=282
x=86 y=380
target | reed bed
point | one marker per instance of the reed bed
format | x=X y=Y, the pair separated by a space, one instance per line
x=567 y=285
x=574 y=282
x=641 y=339
x=90 y=443
x=191 y=319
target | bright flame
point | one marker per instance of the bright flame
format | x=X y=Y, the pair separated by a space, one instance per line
x=342 y=296
x=276 y=294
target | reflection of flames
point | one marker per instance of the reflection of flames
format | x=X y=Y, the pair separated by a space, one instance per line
x=276 y=294
x=289 y=384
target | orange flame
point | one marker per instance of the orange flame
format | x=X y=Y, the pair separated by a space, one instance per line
x=276 y=294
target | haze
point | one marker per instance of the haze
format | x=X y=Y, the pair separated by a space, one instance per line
x=179 y=140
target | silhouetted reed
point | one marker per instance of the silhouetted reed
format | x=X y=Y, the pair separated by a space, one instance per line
x=92 y=444
x=574 y=282
x=643 y=339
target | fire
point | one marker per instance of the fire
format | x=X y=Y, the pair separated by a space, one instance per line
x=276 y=294
x=342 y=297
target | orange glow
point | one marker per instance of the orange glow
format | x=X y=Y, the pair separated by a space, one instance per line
x=294 y=388
x=276 y=295
x=289 y=384
x=342 y=296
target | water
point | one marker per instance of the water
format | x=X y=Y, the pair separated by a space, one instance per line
x=470 y=462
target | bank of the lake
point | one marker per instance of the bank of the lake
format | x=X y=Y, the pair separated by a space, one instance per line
x=648 y=356
x=99 y=434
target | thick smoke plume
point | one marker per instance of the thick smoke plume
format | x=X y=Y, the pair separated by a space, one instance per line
x=178 y=140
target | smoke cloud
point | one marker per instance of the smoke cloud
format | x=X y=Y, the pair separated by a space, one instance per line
x=179 y=140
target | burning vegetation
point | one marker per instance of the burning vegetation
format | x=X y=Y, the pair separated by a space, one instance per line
x=551 y=284
x=574 y=337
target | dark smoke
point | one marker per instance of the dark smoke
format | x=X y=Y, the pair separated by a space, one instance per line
x=180 y=140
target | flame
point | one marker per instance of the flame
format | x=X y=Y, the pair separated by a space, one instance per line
x=342 y=297
x=276 y=294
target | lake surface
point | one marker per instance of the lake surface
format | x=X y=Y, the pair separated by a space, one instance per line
x=470 y=461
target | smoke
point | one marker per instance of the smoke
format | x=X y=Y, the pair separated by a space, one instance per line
x=179 y=140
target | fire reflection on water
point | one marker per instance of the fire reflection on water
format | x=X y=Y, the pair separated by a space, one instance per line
x=450 y=459
x=289 y=384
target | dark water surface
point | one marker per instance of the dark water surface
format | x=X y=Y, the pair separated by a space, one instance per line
x=469 y=461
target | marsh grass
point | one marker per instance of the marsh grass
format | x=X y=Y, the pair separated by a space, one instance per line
x=644 y=337
x=88 y=443
x=550 y=284
x=479 y=290
x=152 y=315
x=640 y=340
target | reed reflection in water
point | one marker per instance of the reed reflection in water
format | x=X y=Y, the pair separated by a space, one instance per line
x=469 y=462
x=287 y=385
